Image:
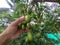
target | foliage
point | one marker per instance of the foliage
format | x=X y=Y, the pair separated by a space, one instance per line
x=38 y=20
x=41 y=22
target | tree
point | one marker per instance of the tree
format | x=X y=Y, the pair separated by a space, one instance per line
x=40 y=22
x=39 y=19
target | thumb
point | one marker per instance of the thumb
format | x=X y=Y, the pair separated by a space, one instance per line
x=19 y=20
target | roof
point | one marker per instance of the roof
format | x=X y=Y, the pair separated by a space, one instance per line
x=4 y=4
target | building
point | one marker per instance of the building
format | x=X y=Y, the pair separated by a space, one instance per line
x=6 y=5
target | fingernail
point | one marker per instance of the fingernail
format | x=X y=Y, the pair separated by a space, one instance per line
x=22 y=17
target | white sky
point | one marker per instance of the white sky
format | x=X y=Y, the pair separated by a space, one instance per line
x=4 y=4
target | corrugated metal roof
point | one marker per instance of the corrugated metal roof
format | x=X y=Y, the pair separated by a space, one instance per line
x=4 y=4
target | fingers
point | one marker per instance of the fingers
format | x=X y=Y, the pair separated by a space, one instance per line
x=19 y=20
x=22 y=31
x=17 y=34
x=26 y=30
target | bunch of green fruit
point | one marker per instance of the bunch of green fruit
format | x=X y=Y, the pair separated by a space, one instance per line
x=32 y=20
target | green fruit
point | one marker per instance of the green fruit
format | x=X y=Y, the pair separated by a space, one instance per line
x=23 y=27
x=26 y=39
x=29 y=37
x=38 y=35
x=27 y=18
x=28 y=26
x=20 y=26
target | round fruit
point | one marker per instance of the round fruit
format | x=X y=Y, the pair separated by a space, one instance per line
x=28 y=26
x=27 y=18
x=20 y=26
x=23 y=27
x=29 y=37
x=26 y=39
x=38 y=35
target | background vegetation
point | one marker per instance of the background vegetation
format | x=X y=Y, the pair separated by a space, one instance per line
x=41 y=21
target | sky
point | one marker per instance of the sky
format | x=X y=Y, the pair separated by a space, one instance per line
x=4 y=4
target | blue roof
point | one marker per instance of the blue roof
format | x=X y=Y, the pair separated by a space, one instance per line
x=54 y=37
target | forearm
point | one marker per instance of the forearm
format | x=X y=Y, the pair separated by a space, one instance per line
x=3 y=39
x=4 y=42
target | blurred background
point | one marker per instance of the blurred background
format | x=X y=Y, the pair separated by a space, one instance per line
x=52 y=7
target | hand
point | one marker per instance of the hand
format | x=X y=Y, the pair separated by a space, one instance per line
x=12 y=32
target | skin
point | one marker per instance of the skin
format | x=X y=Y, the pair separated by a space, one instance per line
x=12 y=31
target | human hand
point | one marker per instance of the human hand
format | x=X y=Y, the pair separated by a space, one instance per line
x=12 y=31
